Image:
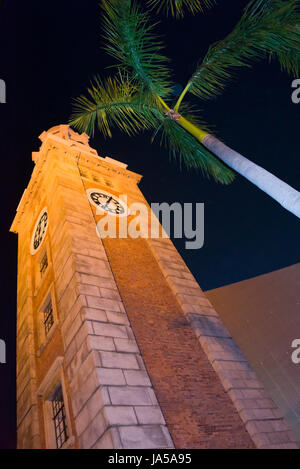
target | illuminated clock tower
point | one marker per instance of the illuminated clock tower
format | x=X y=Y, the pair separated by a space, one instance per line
x=117 y=346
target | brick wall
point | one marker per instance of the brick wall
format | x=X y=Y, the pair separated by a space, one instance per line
x=262 y=418
x=145 y=355
x=198 y=412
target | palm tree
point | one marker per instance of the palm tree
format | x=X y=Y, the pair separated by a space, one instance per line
x=177 y=7
x=136 y=97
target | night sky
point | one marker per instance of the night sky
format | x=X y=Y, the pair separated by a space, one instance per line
x=50 y=51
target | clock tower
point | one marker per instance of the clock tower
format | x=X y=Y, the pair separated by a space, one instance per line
x=117 y=345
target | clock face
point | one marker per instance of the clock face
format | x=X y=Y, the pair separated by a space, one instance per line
x=39 y=231
x=107 y=202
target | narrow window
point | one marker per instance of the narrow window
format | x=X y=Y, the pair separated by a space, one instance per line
x=43 y=264
x=108 y=183
x=40 y=269
x=48 y=317
x=59 y=417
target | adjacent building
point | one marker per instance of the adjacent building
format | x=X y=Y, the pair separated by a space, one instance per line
x=263 y=315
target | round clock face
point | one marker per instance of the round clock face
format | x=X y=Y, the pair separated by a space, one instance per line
x=107 y=202
x=39 y=231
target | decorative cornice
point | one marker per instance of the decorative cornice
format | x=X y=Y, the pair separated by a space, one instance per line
x=77 y=149
x=50 y=376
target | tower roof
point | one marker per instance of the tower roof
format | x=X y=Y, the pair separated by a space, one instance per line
x=64 y=135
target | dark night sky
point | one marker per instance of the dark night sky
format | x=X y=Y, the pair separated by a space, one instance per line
x=49 y=52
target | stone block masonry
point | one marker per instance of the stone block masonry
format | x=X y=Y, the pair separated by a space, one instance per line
x=197 y=409
x=109 y=386
x=145 y=360
x=261 y=417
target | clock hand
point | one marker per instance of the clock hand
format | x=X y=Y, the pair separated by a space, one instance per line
x=105 y=206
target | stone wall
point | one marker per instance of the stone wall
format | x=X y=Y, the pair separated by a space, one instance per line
x=261 y=417
x=113 y=401
x=147 y=362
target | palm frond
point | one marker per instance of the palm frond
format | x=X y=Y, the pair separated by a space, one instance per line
x=177 y=7
x=268 y=28
x=131 y=40
x=115 y=102
x=185 y=148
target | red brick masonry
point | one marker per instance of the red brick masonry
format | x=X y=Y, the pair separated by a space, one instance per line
x=198 y=412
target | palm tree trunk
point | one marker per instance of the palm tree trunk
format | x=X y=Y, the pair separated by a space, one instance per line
x=288 y=197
